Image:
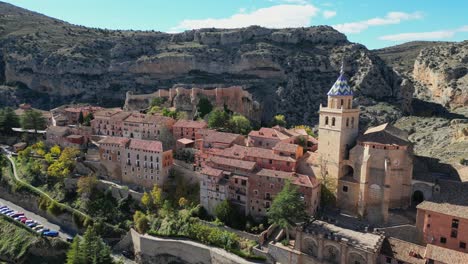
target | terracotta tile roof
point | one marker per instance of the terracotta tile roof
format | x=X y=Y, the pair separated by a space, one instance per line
x=241 y=152
x=286 y=147
x=120 y=116
x=445 y=255
x=114 y=140
x=385 y=134
x=235 y=163
x=75 y=136
x=158 y=119
x=445 y=208
x=219 y=137
x=107 y=112
x=267 y=132
x=190 y=124
x=148 y=145
x=403 y=251
x=211 y=171
x=452 y=199
x=296 y=179
x=135 y=118
x=83 y=109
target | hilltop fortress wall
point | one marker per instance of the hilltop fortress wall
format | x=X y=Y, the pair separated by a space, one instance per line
x=235 y=98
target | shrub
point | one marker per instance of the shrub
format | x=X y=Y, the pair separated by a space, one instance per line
x=43 y=203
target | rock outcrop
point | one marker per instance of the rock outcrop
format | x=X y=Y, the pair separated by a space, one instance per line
x=290 y=70
x=442 y=70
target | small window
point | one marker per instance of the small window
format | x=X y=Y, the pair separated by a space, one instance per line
x=342 y=102
x=326 y=120
x=333 y=121
x=443 y=240
x=455 y=223
x=388 y=260
x=347 y=122
x=345 y=188
x=428 y=225
x=463 y=245
x=454 y=233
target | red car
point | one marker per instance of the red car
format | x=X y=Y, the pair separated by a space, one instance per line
x=23 y=220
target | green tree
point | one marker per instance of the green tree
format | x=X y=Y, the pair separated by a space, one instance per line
x=287 y=208
x=86 y=185
x=80 y=118
x=158 y=101
x=146 y=201
x=33 y=119
x=55 y=151
x=223 y=211
x=218 y=118
x=87 y=119
x=141 y=222
x=156 y=196
x=307 y=129
x=8 y=120
x=239 y=124
x=92 y=249
x=74 y=255
x=204 y=107
x=279 y=120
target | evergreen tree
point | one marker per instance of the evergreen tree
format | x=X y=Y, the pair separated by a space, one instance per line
x=204 y=107
x=87 y=119
x=279 y=120
x=74 y=254
x=8 y=120
x=81 y=118
x=287 y=208
x=33 y=119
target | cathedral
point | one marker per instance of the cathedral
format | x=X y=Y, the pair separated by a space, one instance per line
x=372 y=171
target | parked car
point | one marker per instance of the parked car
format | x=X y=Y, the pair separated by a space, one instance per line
x=4 y=210
x=17 y=214
x=11 y=213
x=33 y=224
x=29 y=221
x=24 y=220
x=51 y=233
x=38 y=227
x=70 y=239
x=42 y=231
x=7 y=212
x=19 y=218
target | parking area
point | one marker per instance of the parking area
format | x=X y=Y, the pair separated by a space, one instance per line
x=35 y=217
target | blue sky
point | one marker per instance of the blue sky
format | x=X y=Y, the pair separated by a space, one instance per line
x=374 y=23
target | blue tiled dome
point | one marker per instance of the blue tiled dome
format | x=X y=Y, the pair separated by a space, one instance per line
x=340 y=87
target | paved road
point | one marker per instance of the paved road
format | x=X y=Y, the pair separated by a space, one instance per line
x=36 y=217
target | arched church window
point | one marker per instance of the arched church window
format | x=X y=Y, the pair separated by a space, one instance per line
x=333 y=121
x=349 y=103
x=352 y=122
x=342 y=102
x=326 y=120
x=347 y=122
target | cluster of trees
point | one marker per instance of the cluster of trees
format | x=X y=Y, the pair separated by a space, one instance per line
x=32 y=119
x=8 y=120
x=223 y=120
x=85 y=120
x=64 y=165
x=91 y=249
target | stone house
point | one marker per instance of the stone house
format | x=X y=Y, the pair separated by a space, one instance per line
x=137 y=162
x=109 y=122
x=72 y=114
x=145 y=126
x=187 y=128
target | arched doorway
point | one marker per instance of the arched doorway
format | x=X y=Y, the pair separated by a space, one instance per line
x=348 y=171
x=417 y=198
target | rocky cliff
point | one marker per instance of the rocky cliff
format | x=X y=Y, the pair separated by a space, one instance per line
x=290 y=70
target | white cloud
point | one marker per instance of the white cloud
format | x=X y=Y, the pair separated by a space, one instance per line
x=299 y=2
x=329 y=14
x=278 y=16
x=390 y=18
x=431 y=35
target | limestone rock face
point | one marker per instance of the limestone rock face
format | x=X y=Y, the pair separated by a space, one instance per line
x=443 y=71
x=289 y=70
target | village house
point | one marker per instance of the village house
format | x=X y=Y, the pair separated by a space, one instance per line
x=136 y=162
x=443 y=224
x=208 y=141
x=72 y=114
x=68 y=136
x=187 y=128
x=146 y=126
x=109 y=122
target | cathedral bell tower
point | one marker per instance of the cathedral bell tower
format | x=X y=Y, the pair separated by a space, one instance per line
x=338 y=128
